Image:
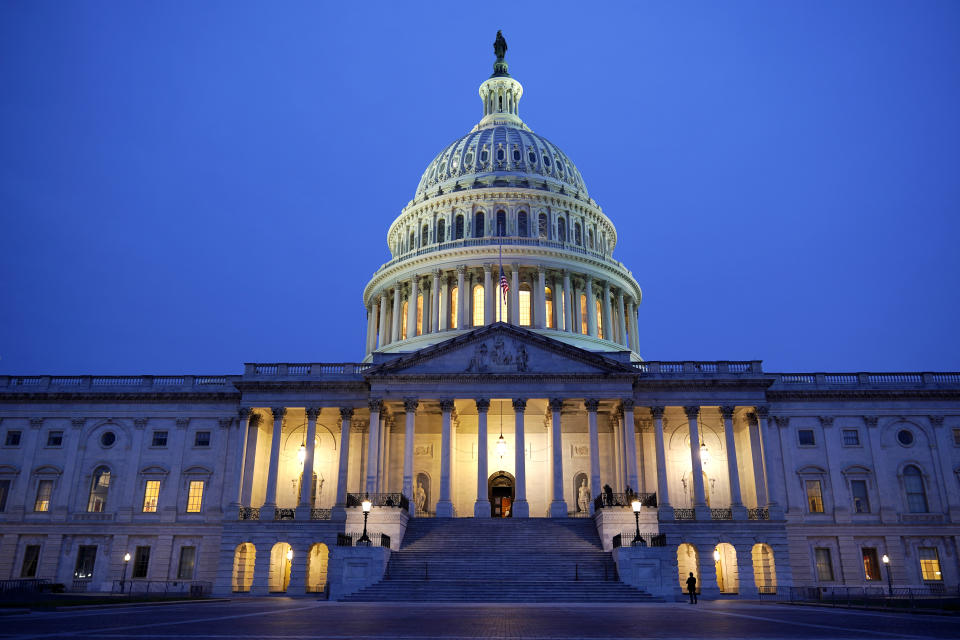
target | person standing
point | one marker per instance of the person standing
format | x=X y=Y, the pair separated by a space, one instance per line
x=692 y=588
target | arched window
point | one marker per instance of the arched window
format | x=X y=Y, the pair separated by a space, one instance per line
x=542 y=227
x=577 y=234
x=583 y=313
x=500 y=305
x=441 y=230
x=561 y=230
x=425 y=236
x=501 y=223
x=99 y=487
x=590 y=238
x=478 y=225
x=524 y=296
x=458 y=227
x=522 y=224
x=548 y=295
x=478 y=305
x=419 y=314
x=599 y=322
x=403 y=320
x=454 y=298
x=413 y=241
x=916 y=493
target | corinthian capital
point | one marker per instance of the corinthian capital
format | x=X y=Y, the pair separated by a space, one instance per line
x=591 y=404
x=346 y=413
x=656 y=411
x=727 y=412
x=692 y=411
x=278 y=412
x=483 y=404
x=410 y=404
x=519 y=404
x=312 y=413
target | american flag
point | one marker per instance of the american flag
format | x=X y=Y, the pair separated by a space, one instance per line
x=504 y=285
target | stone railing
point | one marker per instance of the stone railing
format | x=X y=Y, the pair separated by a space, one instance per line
x=284 y=514
x=321 y=514
x=104 y=383
x=688 y=367
x=249 y=513
x=379 y=500
x=846 y=380
x=605 y=500
x=304 y=369
x=721 y=514
x=684 y=514
x=761 y=513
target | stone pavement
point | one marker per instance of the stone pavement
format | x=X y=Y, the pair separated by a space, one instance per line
x=284 y=618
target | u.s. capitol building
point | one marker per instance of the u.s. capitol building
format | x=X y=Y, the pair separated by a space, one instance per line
x=501 y=424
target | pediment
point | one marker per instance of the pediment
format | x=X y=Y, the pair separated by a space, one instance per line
x=500 y=349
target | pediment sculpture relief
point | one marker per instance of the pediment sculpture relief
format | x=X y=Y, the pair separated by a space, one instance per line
x=499 y=357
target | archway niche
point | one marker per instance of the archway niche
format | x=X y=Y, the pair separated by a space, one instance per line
x=317 y=568
x=244 y=557
x=501 y=491
x=280 y=564
x=687 y=563
x=422 y=500
x=764 y=568
x=725 y=561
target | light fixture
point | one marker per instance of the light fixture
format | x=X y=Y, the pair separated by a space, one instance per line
x=704 y=454
x=366 y=504
x=716 y=556
x=365 y=539
x=637 y=505
x=886 y=559
x=302 y=453
x=289 y=554
x=126 y=557
x=636 y=516
x=123 y=578
x=501 y=445
x=886 y=562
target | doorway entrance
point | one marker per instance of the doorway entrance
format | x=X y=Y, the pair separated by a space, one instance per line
x=500 y=489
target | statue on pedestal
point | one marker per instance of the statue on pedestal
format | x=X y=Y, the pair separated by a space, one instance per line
x=419 y=497
x=583 y=497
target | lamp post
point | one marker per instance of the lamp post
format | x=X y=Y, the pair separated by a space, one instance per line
x=365 y=539
x=123 y=577
x=636 y=516
x=886 y=564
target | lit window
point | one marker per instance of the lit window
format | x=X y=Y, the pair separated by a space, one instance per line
x=44 y=489
x=195 y=496
x=201 y=439
x=583 y=314
x=806 y=438
x=159 y=439
x=151 y=495
x=500 y=306
x=55 y=439
x=814 y=496
x=419 y=314
x=86 y=559
x=453 y=307
x=548 y=295
x=824 y=564
x=188 y=557
x=599 y=321
x=916 y=492
x=478 y=307
x=525 y=307
x=403 y=319
x=13 y=439
x=861 y=501
x=99 y=488
x=851 y=438
x=31 y=558
x=141 y=562
x=871 y=567
x=956 y=437
x=929 y=563
x=562 y=313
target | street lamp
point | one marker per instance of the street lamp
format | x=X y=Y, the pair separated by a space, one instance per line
x=365 y=539
x=636 y=504
x=123 y=578
x=886 y=563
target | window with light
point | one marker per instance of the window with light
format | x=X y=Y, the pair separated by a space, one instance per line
x=195 y=496
x=583 y=314
x=930 y=563
x=814 y=496
x=419 y=314
x=454 y=299
x=599 y=322
x=403 y=319
x=524 y=306
x=548 y=295
x=478 y=305
x=99 y=488
x=44 y=490
x=151 y=496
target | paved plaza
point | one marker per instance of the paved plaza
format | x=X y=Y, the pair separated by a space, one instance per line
x=287 y=618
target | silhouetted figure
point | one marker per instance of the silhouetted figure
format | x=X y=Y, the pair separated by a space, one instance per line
x=608 y=494
x=692 y=588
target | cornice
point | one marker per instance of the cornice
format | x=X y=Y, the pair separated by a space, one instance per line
x=146 y=396
x=358 y=384
x=864 y=394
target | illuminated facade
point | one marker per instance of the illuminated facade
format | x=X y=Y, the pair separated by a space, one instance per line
x=475 y=400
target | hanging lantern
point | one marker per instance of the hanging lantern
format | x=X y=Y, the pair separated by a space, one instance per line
x=501 y=446
x=302 y=453
x=704 y=454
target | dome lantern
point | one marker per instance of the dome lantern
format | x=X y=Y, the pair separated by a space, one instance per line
x=500 y=93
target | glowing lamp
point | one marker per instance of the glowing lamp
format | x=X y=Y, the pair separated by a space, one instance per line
x=636 y=506
x=704 y=454
x=886 y=559
x=126 y=557
x=366 y=504
x=289 y=554
x=302 y=453
x=716 y=556
x=501 y=446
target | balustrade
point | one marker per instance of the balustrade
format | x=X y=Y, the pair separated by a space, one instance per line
x=249 y=513
x=761 y=513
x=379 y=500
x=624 y=500
x=629 y=539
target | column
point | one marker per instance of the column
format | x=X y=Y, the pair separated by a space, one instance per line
x=577 y=319
x=461 y=298
x=521 y=508
x=557 y=303
x=444 y=505
x=619 y=468
x=748 y=583
x=567 y=303
x=665 y=511
x=62 y=503
x=373 y=444
x=397 y=307
x=622 y=321
x=733 y=473
x=629 y=435
x=410 y=407
x=412 y=307
x=489 y=296
x=540 y=318
x=514 y=310
x=306 y=476
x=591 y=309
x=633 y=326
x=773 y=461
x=756 y=454
x=346 y=415
x=481 y=508
x=236 y=473
x=271 y=499
x=250 y=459
x=558 y=506
x=435 y=304
x=591 y=404
x=383 y=334
x=699 y=495
x=444 y=304
x=371 y=314
x=382 y=460
x=607 y=313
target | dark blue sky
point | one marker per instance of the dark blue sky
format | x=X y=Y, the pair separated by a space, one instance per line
x=186 y=186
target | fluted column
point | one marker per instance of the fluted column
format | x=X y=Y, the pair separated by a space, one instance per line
x=481 y=508
x=514 y=310
x=382 y=472
x=346 y=415
x=736 y=501
x=461 y=298
x=774 y=464
x=756 y=453
x=663 y=492
x=306 y=477
x=444 y=304
x=234 y=482
x=397 y=307
x=558 y=506
x=699 y=494
x=591 y=309
x=622 y=338
x=444 y=505
x=577 y=315
x=635 y=332
x=250 y=459
x=521 y=508
x=619 y=466
x=489 y=295
x=567 y=303
x=373 y=444
x=591 y=405
x=410 y=407
x=383 y=334
x=557 y=302
x=607 y=313
x=629 y=436
x=412 y=307
x=371 y=331
x=435 y=305
x=271 y=498
x=540 y=318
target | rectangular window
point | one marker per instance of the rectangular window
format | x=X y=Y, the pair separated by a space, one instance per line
x=524 y=308
x=86 y=559
x=13 y=439
x=851 y=438
x=4 y=492
x=44 y=489
x=824 y=564
x=195 y=496
x=861 y=501
x=201 y=439
x=151 y=495
x=814 y=496
x=31 y=557
x=141 y=562
x=55 y=439
x=188 y=557
x=159 y=439
x=871 y=566
x=806 y=437
x=930 y=563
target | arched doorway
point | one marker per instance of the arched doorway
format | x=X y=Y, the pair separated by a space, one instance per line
x=244 y=557
x=317 y=568
x=281 y=559
x=725 y=561
x=501 y=487
x=686 y=564
x=764 y=569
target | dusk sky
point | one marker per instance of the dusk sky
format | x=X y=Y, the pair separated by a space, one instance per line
x=188 y=186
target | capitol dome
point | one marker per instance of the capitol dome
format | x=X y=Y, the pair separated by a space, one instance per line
x=502 y=229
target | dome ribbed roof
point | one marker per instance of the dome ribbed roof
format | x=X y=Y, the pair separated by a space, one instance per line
x=500 y=155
